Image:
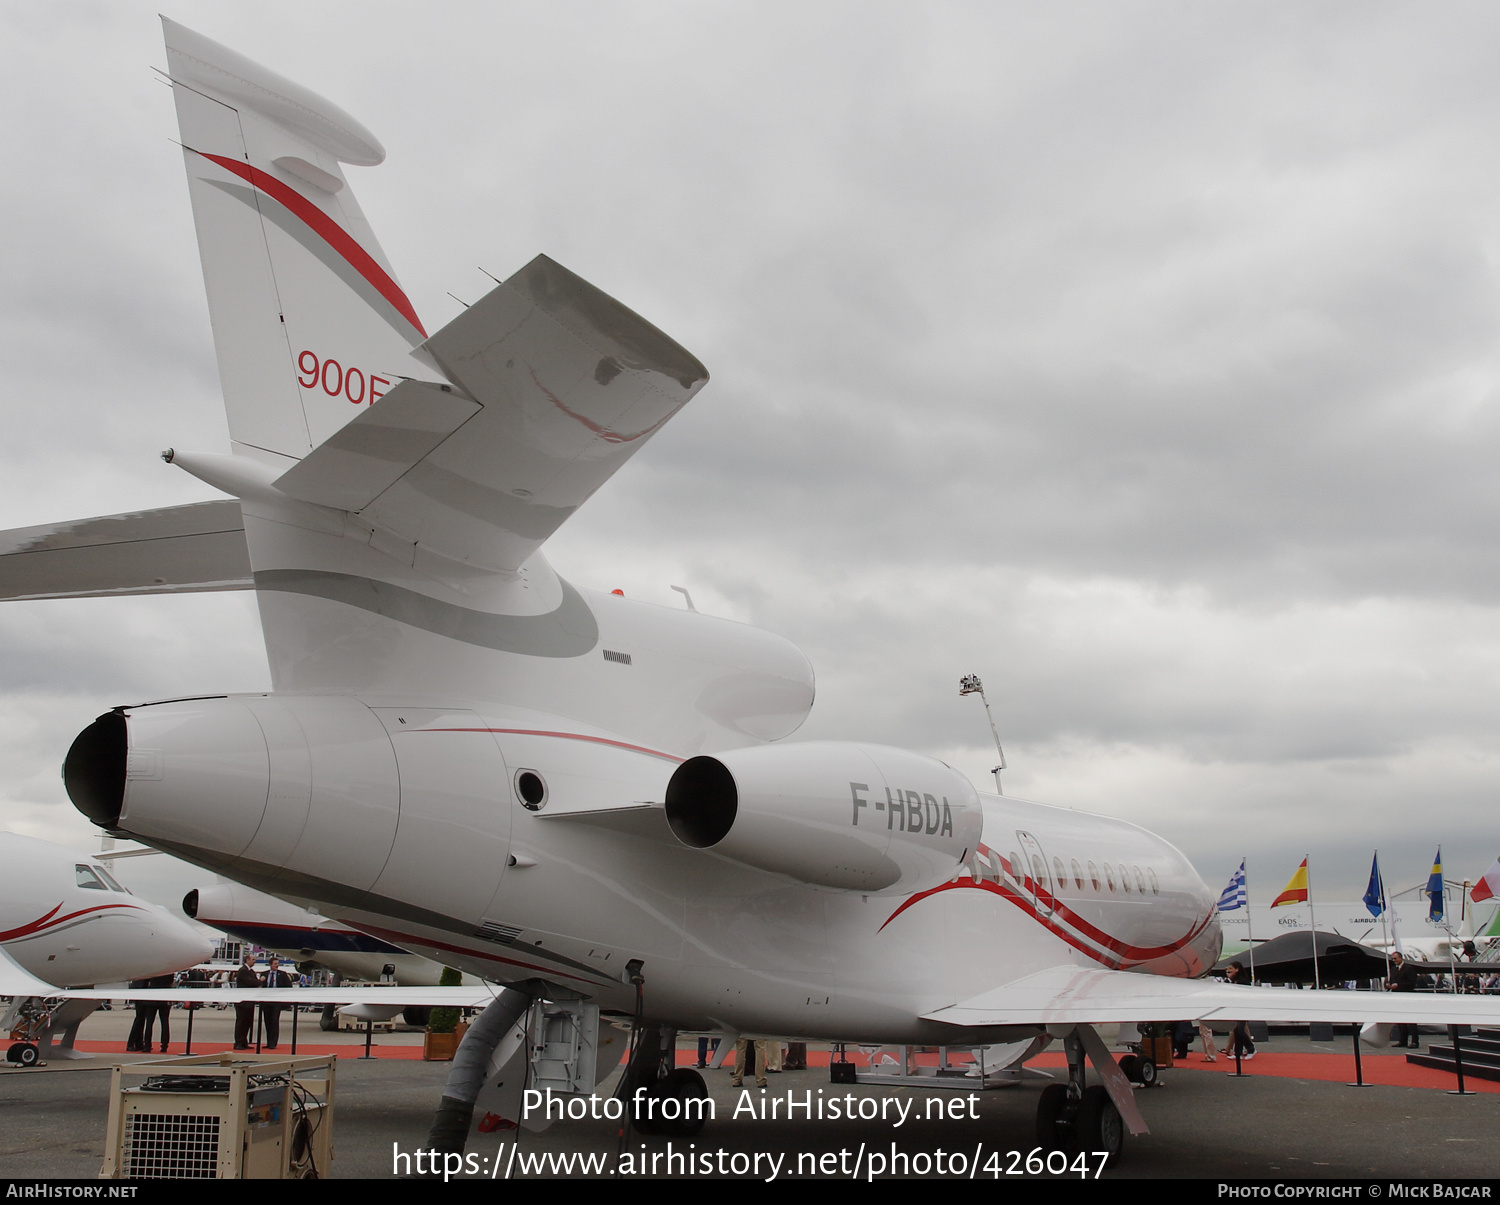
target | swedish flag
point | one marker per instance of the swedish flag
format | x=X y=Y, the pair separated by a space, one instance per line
x=1435 y=887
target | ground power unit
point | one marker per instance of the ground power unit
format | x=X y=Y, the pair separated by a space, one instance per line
x=221 y=1117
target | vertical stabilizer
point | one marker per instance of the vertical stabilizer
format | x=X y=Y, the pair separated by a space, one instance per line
x=310 y=325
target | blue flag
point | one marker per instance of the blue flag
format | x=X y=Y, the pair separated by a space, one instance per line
x=1435 y=887
x=1234 y=896
x=1375 y=892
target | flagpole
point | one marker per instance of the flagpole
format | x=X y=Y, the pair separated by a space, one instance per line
x=1385 y=907
x=1249 y=912
x=1448 y=924
x=1312 y=919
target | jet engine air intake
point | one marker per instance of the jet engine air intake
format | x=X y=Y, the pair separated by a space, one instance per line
x=94 y=769
x=850 y=817
x=702 y=801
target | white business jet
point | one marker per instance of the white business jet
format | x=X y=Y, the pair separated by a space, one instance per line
x=563 y=790
x=311 y=940
x=304 y=936
x=65 y=919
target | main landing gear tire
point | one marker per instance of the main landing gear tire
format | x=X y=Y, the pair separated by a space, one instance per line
x=645 y=1120
x=1100 y=1127
x=685 y=1084
x=23 y=1053
x=681 y=1086
x=1052 y=1129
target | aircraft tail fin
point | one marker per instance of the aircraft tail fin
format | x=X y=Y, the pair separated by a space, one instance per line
x=554 y=386
x=309 y=322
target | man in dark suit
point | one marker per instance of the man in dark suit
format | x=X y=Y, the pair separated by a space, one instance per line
x=244 y=1013
x=270 y=1014
x=160 y=1010
x=1403 y=979
x=137 y=1031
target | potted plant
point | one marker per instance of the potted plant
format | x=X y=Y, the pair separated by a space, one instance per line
x=444 y=1028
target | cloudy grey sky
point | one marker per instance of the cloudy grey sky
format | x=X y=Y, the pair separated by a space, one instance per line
x=1140 y=358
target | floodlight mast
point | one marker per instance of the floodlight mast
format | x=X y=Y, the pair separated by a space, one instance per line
x=971 y=685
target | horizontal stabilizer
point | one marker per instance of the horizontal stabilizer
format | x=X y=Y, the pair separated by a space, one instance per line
x=173 y=550
x=360 y=462
x=1071 y=995
x=554 y=385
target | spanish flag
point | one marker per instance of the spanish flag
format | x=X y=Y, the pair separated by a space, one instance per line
x=1296 y=889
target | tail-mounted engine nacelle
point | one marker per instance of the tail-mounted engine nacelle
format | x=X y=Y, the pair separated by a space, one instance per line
x=853 y=817
x=273 y=781
x=320 y=797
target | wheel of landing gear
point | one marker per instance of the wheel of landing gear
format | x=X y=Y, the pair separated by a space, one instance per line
x=1052 y=1108
x=1148 y=1073
x=24 y=1053
x=1100 y=1127
x=646 y=1120
x=1131 y=1066
x=684 y=1084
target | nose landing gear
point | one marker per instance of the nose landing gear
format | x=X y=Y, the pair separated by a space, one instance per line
x=1077 y=1116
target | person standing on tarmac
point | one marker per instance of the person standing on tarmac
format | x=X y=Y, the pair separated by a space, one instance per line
x=1403 y=979
x=1243 y=1047
x=270 y=1014
x=244 y=1012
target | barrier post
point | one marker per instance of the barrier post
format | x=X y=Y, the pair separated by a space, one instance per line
x=1458 y=1064
x=1359 y=1067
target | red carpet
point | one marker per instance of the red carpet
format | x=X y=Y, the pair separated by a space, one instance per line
x=1390 y=1070
x=347 y=1050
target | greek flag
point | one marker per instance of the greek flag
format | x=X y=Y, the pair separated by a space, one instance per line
x=1234 y=895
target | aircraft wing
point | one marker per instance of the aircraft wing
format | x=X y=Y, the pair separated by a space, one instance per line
x=15 y=980
x=171 y=550
x=553 y=386
x=1071 y=995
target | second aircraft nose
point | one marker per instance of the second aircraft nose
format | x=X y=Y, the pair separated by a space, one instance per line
x=177 y=944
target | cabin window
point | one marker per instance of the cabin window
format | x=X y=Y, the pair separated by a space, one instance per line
x=1059 y=874
x=1077 y=875
x=1109 y=876
x=1140 y=879
x=1155 y=885
x=1094 y=876
x=1124 y=879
